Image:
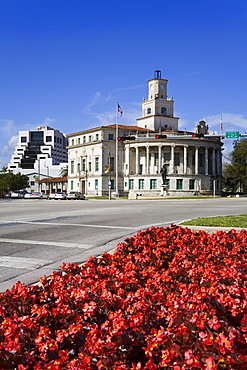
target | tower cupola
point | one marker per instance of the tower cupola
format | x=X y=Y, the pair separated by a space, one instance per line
x=158 y=109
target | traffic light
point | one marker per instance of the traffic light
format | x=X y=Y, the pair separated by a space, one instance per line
x=197 y=135
x=160 y=136
x=122 y=138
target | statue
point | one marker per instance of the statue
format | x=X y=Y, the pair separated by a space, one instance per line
x=163 y=172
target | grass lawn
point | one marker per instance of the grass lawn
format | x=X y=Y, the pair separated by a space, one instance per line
x=224 y=221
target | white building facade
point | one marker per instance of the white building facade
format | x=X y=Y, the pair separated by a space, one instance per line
x=132 y=165
x=39 y=154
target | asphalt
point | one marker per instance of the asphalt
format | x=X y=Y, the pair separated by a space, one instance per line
x=33 y=277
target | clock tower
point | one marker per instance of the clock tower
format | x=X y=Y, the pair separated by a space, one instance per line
x=158 y=109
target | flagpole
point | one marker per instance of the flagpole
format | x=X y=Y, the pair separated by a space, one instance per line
x=221 y=124
x=117 y=149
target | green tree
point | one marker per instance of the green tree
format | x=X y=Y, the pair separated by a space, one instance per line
x=64 y=171
x=235 y=173
x=12 y=182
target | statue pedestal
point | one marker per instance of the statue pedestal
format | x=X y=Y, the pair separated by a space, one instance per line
x=163 y=190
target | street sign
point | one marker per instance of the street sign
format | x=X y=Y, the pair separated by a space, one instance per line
x=232 y=134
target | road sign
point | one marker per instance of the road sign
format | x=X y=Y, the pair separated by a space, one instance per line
x=232 y=134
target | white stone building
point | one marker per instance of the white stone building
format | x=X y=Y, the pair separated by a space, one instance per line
x=193 y=161
x=39 y=154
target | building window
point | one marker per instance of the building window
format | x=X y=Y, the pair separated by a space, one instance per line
x=32 y=183
x=48 y=139
x=153 y=184
x=131 y=184
x=79 y=140
x=89 y=138
x=149 y=111
x=84 y=139
x=192 y=184
x=167 y=157
x=97 y=137
x=84 y=164
x=112 y=163
x=179 y=184
x=97 y=164
x=72 y=165
x=176 y=159
x=37 y=136
x=141 y=184
x=163 y=110
x=96 y=184
x=110 y=137
x=89 y=166
x=72 y=185
x=156 y=159
x=72 y=142
x=23 y=139
x=140 y=169
x=78 y=167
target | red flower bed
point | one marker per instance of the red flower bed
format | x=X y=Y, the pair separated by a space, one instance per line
x=166 y=299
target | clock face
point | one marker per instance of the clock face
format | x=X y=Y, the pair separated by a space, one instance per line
x=162 y=86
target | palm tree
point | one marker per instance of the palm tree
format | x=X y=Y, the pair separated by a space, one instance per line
x=4 y=169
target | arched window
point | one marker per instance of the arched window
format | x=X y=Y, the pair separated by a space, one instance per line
x=163 y=110
x=149 y=111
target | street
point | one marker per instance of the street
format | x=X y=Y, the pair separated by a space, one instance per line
x=37 y=236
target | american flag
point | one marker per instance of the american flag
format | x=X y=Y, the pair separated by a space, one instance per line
x=120 y=110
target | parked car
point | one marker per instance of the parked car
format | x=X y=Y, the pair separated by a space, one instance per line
x=37 y=195
x=7 y=195
x=18 y=194
x=27 y=195
x=75 y=195
x=60 y=195
x=2 y=196
x=51 y=196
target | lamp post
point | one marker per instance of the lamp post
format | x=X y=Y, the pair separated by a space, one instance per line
x=108 y=170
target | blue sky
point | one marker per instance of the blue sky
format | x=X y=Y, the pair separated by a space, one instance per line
x=65 y=63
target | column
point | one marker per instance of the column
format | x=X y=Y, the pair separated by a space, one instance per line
x=185 y=159
x=159 y=159
x=127 y=159
x=206 y=161
x=213 y=162
x=196 y=161
x=172 y=160
x=147 y=160
x=220 y=163
x=137 y=160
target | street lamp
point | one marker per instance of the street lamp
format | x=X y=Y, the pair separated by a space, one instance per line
x=108 y=169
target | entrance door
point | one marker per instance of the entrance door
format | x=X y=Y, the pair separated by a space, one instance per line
x=82 y=187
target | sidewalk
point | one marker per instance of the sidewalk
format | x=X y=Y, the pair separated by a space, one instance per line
x=211 y=229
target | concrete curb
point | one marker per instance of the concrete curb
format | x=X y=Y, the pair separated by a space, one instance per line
x=212 y=229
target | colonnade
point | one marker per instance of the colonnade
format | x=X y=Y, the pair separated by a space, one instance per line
x=151 y=158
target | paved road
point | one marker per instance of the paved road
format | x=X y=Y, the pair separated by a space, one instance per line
x=37 y=236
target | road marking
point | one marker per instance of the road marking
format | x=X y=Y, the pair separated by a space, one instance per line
x=53 y=244
x=63 y=224
x=23 y=263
